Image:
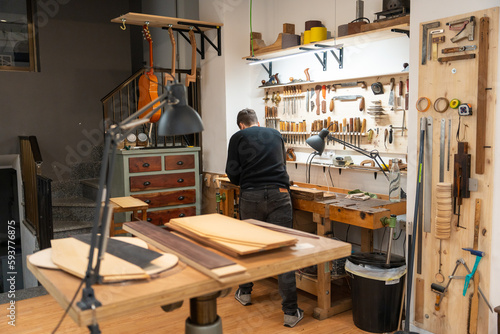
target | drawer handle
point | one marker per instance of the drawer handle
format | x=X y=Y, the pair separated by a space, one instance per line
x=147 y=183
x=149 y=220
x=182 y=215
x=180 y=198
x=145 y=165
x=180 y=180
x=148 y=201
x=180 y=163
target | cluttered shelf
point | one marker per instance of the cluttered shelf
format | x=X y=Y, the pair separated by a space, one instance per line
x=353 y=167
x=341 y=82
x=381 y=30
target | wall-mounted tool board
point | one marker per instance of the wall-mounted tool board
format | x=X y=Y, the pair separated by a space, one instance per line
x=294 y=98
x=458 y=79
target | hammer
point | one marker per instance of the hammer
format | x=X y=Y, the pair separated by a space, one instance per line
x=479 y=256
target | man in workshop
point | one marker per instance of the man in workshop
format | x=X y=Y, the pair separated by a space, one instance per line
x=256 y=162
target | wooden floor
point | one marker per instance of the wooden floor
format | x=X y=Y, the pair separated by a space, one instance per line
x=41 y=315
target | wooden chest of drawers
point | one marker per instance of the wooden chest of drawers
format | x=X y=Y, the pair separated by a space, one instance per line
x=167 y=179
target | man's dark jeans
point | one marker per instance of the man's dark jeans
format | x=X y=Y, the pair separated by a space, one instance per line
x=271 y=205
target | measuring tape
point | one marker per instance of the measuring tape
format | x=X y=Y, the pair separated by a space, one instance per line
x=454 y=103
x=436 y=104
x=419 y=108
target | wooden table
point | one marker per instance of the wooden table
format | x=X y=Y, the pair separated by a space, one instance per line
x=365 y=214
x=125 y=204
x=184 y=282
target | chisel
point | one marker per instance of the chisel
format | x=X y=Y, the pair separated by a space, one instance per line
x=351 y=126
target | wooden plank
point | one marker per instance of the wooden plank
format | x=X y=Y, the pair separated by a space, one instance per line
x=482 y=84
x=161 y=21
x=306 y=193
x=419 y=300
x=129 y=203
x=196 y=256
x=385 y=24
x=229 y=235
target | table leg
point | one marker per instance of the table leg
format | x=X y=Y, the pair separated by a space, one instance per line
x=228 y=203
x=203 y=318
x=366 y=240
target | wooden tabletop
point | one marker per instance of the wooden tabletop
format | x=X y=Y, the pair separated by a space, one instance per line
x=183 y=282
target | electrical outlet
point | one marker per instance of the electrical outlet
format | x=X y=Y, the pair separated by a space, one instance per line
x=402 y=225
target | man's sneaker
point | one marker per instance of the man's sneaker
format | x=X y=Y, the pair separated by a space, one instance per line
x=292 y=320
x=244 y=298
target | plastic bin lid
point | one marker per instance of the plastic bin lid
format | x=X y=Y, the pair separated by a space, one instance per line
x=377 y=260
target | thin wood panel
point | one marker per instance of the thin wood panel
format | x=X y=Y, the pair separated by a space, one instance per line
x=459 y=79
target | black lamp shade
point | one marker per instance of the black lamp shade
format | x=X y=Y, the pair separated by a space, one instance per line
x=317 y=142
x=180 y=118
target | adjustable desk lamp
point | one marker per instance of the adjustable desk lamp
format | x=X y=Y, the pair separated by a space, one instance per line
x=177 y=119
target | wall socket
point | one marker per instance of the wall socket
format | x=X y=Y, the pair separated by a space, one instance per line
x=402 y=225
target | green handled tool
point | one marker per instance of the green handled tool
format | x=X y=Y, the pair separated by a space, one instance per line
x=479 y=256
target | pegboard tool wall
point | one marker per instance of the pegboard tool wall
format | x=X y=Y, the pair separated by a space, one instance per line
x=458 y=79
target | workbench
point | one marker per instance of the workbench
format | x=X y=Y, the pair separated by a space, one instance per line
x=184 y=282
x=365 y=214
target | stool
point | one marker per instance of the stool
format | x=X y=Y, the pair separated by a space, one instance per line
x=124 y=204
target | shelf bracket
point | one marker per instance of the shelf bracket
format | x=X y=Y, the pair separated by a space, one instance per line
x=322 y=61
x=339 y=58
x=269 y=69
x=204 y=37
x=402 y=31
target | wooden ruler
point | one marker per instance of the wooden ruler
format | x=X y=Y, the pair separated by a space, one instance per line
x=482 y=78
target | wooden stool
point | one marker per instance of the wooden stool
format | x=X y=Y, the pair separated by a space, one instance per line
x=124 y=204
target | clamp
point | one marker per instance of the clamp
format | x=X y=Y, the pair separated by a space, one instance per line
x=466 y=30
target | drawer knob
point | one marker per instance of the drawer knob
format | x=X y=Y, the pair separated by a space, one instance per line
x=182 y=215
x=145 y=165
x=147 y=183
x=180 y=198
x=180 y=180
x=180 y=163
x=149 y=220
x=148 y=201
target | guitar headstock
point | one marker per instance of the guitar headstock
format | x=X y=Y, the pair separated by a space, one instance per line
x=147 y=34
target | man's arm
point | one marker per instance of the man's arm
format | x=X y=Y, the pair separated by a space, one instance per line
x=233 y=166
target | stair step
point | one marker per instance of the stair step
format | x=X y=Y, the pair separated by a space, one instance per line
x=73 y=209
x=90 y=188
x=64 y=229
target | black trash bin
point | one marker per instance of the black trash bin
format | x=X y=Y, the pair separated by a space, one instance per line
x=376 y=291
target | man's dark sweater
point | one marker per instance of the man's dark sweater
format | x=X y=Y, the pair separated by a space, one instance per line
x=256 y=159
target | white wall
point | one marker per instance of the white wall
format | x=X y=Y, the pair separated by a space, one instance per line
x=239 y=83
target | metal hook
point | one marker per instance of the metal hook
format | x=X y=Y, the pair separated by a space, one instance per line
x=123 y=26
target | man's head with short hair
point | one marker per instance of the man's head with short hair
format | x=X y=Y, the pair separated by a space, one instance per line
x=247 y=118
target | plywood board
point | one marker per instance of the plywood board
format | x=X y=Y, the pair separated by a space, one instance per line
x=229 y=235
x=459 y=79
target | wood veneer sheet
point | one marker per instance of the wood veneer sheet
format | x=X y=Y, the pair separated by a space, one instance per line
x=200 y=258
x=234 y=235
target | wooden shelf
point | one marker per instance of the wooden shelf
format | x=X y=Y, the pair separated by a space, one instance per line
x=164 y=22
x=382 y=33
x=367 y=78
x=177 y=24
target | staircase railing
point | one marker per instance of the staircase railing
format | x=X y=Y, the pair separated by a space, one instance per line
x=37 y=191
x=122 y=102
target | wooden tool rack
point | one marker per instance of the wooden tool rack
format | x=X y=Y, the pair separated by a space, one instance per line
x=177 y=24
